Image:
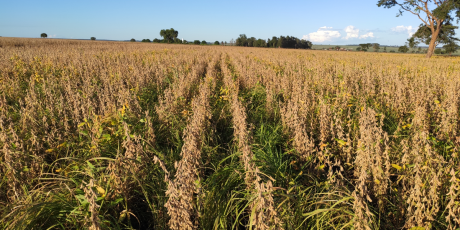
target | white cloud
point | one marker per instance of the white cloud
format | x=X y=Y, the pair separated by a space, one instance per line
x=352 y=32
x=368 y=35
x=322 y=35
x=325 y=34
x=53 y=36
x=404 y=29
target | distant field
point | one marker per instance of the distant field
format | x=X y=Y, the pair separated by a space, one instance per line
x=389 y=48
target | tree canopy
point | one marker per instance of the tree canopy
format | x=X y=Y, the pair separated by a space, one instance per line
x=446 y=34
x=376 y=47
x=451 y=47
x=93 y=38
x=412 y=42
x=403 y=49
x=43 y=35
x=281 y=42
x=169 y=35
x=365 y=46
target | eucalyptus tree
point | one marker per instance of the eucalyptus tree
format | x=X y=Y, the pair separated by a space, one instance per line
x=433 y=13
x=446 y=35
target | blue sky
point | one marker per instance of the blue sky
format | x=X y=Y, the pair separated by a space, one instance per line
x=322 y=22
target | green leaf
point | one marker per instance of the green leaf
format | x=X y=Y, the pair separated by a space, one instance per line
x=341 y=142
x=82 y=199
x=396 y=166
x=91 y=166
x=84 y=132
x=106 y=136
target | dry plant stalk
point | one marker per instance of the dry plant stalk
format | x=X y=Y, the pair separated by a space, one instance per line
x=182 y=189
x=453 y=207
x=91 y=197
x=263 y=207
x=422 y=183
x=49 y=88
x=372 y=163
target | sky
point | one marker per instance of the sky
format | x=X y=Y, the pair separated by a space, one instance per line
x=321 y=22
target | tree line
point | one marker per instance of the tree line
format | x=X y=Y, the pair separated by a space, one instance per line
x=170 y=37
x=278 y=42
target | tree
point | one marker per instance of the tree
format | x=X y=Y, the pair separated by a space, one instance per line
x=132 y=40
x=446 y=34
x=156 y=40
x=403 y=49
x=376 y=47
x=196 y=42
x=43 y=35
x=169 y=35
x=433 y=19
x=242 y=40
x=437 y=51
x=273 y=42
x=385 y=49
x=358 y=49
x=451 y=47
x=216 y=43
x=260 y=43
x=365 y=46
x=251 y=41
x=412 y=43
x=204 y=42
x=146 y=40
x=93 y=38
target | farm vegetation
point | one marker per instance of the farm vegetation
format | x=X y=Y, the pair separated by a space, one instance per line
x=130 y=135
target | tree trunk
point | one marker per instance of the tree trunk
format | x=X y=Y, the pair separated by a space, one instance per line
x=434 y=37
